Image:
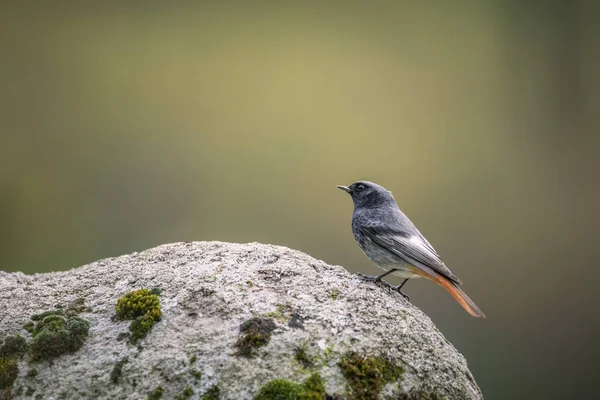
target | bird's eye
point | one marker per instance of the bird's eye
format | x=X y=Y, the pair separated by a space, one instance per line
x=360 y=188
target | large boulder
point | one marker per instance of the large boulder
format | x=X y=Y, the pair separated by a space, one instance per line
x=212 y=320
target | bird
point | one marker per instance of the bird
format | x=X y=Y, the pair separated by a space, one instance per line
x=393 y=243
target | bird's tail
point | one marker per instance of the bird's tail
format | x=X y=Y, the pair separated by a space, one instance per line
x=460 y=296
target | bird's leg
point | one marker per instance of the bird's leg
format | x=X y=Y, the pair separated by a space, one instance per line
x=377 y=279
x=397 y=288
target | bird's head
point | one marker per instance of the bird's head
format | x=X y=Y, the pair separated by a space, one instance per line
x=368 y=194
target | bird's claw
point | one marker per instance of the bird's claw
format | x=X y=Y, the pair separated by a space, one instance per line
x=397 y=289
x=380 y=282
x=370 y=278
x=377 y=280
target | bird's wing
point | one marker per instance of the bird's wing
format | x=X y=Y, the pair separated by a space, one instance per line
x=413 y=249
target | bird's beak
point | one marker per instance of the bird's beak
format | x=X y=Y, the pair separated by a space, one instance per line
x=344 y=188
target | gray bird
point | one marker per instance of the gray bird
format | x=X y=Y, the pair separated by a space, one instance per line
x=395 y=245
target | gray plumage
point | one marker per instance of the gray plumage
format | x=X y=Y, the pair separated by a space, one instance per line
x=387 y=236
x=389 y=239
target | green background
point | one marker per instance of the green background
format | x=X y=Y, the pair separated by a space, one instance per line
x=124 y=127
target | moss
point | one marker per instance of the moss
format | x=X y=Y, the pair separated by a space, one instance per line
x=214 y=393
x=314 y=389
x=142 y=306
x=196 y=374
x=77 y=307
x=55 y=335
x=41 y=316
x=281 y=314
x=366 y=376
x=279 y=389
x=29 y=326
x=14 y=345
x=186 y=394
x=256 y=333
x=156 y=291
x=301 y=355
x=193 y=359
x=283 y=389
x=156 y=394
x=9 y=370
x=334 y=293
x=117 y=371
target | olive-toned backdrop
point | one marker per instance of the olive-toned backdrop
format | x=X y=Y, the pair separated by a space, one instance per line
x=124 y=127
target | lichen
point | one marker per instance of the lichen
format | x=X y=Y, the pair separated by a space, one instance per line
x=142 y=306
x=283 y=389
x=156 y=394
x=55 y=335
x=117 y=371
x=256 y=333
x=14 y=345
x=214 y=393
x=9 y=370
x=421 y=394
x=334 y=293
x=366 y=376
x=186 y=394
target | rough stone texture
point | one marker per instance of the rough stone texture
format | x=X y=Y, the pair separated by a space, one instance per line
x=208 y=290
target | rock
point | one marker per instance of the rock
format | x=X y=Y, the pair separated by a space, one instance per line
x=234 y=321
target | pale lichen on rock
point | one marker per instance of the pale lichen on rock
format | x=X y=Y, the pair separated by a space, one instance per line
x=237 y=321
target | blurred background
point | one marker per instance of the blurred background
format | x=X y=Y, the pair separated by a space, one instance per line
x=126 y=127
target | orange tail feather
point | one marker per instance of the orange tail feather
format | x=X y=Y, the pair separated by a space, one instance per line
x=459 y=296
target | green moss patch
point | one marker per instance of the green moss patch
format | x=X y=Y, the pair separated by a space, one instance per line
x=142 y=306
x=334 y=294
x=13 y=345
x=117 y=371
x=314 y=389
x=214 y=393
x=301 y=355
x=366 y=376
x=54 y=332
x=256 y=332
x=282 y=313
x=279 y=389
x=55 y=335
x=186 y=394
x=9 y=370
x=283 y=389
x=196 y=374
x=156 y=394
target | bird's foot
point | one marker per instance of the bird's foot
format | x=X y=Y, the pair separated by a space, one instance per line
x=397 y=289
x=377 y=280
x=370 y=278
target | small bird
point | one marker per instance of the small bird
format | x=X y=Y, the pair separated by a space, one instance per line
x=394 y=244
